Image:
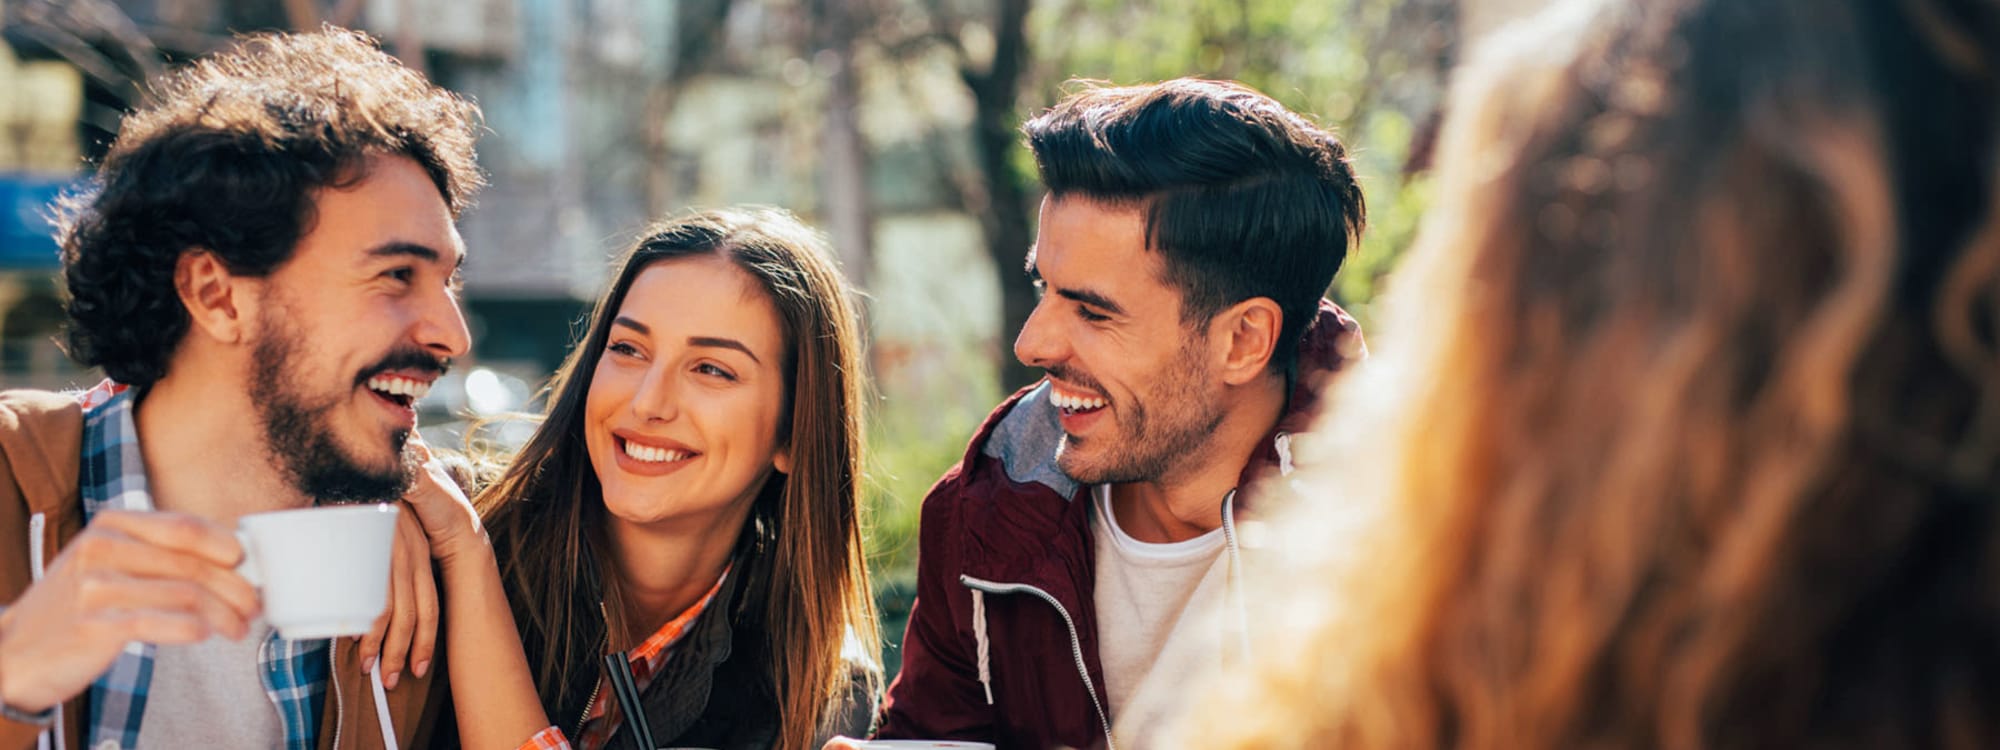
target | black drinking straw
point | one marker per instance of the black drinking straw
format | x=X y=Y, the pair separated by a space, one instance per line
x=626 y=690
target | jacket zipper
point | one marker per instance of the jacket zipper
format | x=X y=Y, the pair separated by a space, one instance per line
x=1075 y=642
x=587 y=705
x=598 y=685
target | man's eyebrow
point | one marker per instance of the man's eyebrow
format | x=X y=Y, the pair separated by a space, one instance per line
x=408 y=249
x=1092 y=299
x=722 y=343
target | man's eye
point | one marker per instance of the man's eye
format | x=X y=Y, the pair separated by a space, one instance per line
x=403 y=274
x=1086 y=314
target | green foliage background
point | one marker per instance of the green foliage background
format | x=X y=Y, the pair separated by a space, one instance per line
x=1370 y=69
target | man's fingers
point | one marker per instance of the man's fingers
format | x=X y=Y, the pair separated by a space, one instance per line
x=103 y=592
x=176 y=531
x=147 y=625
x=111 y=551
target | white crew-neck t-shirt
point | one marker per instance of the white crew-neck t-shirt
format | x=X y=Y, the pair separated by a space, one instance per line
x=1151 y=599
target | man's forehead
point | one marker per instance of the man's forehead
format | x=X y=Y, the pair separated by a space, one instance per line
x=1092 y=256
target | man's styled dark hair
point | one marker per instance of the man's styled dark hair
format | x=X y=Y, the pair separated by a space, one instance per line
x=1243 y=197
x=226 y=159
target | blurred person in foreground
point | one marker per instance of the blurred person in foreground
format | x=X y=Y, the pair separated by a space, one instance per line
x=1190 y=231
x=1687 y=432
x=686 y=519
x=266 y=270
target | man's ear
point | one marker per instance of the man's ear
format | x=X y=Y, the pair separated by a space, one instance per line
x=216 y=300
x=1248 y=334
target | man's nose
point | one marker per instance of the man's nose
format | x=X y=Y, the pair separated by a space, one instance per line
x=442 y=331
x=1038 y=344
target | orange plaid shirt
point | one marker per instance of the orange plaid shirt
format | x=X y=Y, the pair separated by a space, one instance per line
x=605 y=713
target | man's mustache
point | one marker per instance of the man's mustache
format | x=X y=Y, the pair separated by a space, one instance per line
x=406 y=359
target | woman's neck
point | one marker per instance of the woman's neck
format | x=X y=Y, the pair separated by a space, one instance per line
x=666 y=568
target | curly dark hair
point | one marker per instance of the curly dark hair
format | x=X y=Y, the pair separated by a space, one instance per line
x=227 y=158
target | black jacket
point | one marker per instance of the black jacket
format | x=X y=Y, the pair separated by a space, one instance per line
x=715 y=690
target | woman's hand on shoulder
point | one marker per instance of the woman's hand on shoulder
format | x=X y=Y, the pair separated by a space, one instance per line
x=406 y=633
x=440 y=504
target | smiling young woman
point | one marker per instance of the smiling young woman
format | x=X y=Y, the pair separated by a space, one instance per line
x=690 y=504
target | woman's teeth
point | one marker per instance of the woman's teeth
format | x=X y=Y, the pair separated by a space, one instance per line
x=652 y=455
x=398 y=386
x=1070 y=403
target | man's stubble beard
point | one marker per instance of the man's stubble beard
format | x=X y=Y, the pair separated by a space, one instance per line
x=1150 y=448
x=299 y=437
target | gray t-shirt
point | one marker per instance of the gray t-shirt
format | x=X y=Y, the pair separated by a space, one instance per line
x=210 y=694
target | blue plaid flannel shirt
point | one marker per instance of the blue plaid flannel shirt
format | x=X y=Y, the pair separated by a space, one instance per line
x=295 y=673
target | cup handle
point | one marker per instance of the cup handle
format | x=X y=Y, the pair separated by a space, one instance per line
x=250 y=567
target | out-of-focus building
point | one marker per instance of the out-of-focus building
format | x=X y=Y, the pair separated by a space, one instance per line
x=40 y=153
x=69 y=69
x=592 y=133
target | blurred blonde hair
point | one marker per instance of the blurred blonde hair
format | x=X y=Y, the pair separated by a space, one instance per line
x=1686 y=429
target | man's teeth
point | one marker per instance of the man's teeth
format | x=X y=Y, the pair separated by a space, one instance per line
x=652 y=455
x=396 y=386
x=1075 y=403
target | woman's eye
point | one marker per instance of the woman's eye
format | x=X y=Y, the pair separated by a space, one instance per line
x=709 y=369
x=624 y=348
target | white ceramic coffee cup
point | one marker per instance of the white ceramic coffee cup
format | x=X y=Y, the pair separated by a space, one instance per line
x=320 y=572
x=925 y=745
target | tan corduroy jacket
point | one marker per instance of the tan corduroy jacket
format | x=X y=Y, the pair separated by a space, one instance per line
x=41 y=446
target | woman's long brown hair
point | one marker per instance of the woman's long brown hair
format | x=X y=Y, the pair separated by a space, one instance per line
x=806 y=580
x=1686 y=424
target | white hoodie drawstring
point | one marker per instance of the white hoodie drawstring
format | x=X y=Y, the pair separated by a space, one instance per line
x=985 y=647
x=382 y=707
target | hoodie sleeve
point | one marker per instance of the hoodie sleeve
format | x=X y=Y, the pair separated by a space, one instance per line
x=937 y=695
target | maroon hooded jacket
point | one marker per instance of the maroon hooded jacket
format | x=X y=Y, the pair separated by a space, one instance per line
x=1002 y=641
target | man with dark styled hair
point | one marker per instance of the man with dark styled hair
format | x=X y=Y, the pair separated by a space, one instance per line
x=1190 y=231
x=266 y=268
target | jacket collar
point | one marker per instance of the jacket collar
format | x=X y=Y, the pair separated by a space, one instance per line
x=1329 y=346
x=678 y=695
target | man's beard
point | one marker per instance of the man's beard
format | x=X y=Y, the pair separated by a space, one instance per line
x=300 y=437
x=1147 y=446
